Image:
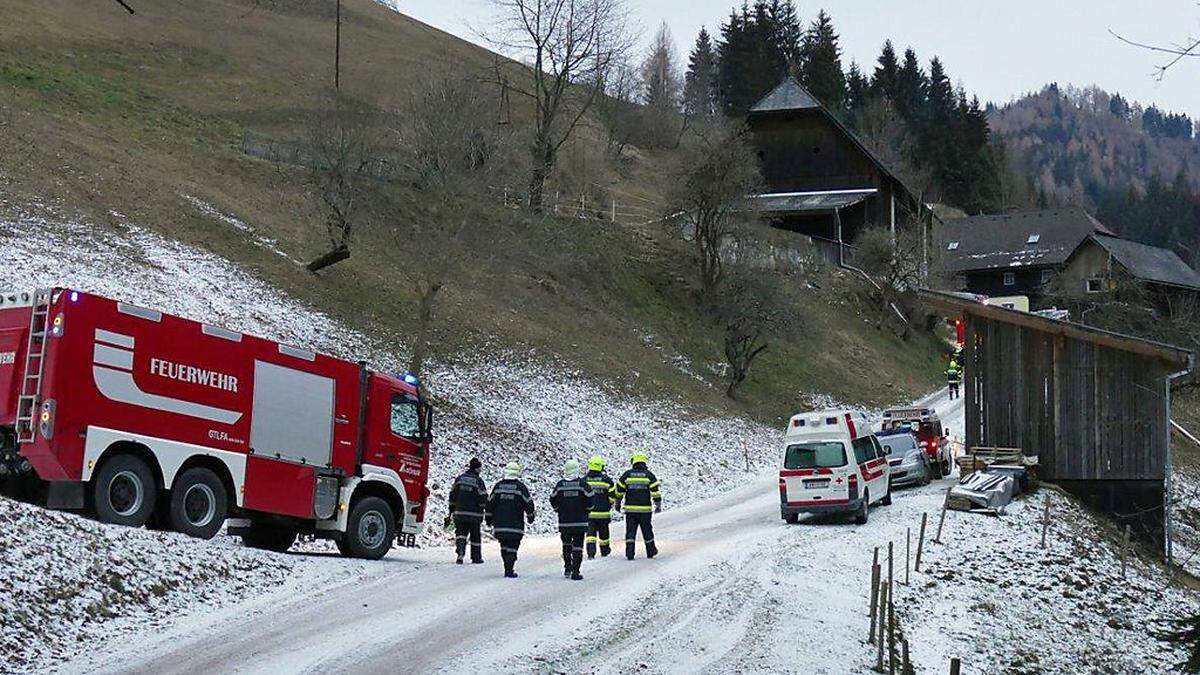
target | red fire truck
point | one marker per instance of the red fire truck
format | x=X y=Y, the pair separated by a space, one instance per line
x=925 y=424
x=141 y=417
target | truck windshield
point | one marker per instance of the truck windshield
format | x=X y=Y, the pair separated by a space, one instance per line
x=816 y=455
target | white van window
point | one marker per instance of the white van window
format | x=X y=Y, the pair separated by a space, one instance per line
x=864 y=450
x=815 y=455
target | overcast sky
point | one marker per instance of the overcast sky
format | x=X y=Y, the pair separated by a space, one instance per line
x=997 y=48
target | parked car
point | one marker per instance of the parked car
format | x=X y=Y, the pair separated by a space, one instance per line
x=925 y=423
x=908 y=461
x=818 y=475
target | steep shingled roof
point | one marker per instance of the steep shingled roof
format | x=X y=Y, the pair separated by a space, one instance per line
x=789 y=95
x=1022 y=239
x=1150 y=263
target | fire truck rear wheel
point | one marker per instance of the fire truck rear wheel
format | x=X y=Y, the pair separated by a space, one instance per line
x=124 y=491
x=199 y=504
x=370 y=529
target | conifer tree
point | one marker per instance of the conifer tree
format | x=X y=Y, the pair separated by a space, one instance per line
x=700 y=86
x=887 y=72
x=858 y=89
x=911 y=84
x=821 y=71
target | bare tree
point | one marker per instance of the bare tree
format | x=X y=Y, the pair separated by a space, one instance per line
x=344 y=159
x=748 y=308
x=450 y=147
x=716 y=170
x=448 y=140
x=894 y=262
x=569 y=45
x=618 y=109
x=1190 y=48
x=662 y=90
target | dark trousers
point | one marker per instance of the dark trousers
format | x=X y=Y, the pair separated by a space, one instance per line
x=509 y=543
x=597 y=533
x=636 y=520
x=467 y=528
x=572 y=548
x=954 y=390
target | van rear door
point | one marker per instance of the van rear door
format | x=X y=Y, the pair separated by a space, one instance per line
x=814 y=473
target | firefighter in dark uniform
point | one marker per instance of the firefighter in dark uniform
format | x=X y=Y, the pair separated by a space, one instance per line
x=572 y=499
x=639 y=489
x=954 y=378
x=604 y=493
x=468 y=499
x=508 y=509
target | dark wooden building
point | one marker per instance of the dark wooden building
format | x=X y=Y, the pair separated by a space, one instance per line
x=820 y=179
x=1092 y=406
x=1013 y=253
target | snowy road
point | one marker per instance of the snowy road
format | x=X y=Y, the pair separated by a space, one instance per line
x=734 y=590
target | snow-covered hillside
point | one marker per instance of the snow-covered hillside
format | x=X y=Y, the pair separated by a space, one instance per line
x=498 y=405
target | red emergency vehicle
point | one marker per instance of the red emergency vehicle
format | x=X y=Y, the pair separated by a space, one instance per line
x=142 y=417
x=927 y=426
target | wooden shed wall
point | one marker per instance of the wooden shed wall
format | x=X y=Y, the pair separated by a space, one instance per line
x=1086 y=411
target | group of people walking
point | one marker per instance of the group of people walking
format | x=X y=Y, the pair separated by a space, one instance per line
x=584 y=503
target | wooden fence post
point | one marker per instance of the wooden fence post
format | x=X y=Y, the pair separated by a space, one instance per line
x=874 y=592
x=905 y=664
x=1124 y=551
x=907 y=552
x=891 y=630
x=920 y=542
x=955 y=666
x=1045 y=522
x=942 y=518
x=883 y=595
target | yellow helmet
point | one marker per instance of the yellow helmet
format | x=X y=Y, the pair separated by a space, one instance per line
x=596 y=463
x=639 y=457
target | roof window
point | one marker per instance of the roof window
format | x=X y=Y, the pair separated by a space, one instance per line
x=952 y=246
x=1033 y=238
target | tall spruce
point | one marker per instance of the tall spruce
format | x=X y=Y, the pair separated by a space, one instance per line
x=887 y=72
x=911 y=83
x=821 y=69
x=858 y=89
x=700 y=83
x=788 y=33
x=750 y=58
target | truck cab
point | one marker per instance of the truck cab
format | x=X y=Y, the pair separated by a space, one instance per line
x=832 y=463
x=925 y=424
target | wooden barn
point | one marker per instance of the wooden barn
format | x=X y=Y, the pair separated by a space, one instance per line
x=1093 y=407
x=821 y=180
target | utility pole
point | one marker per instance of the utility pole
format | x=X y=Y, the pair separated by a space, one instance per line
x=337 y=49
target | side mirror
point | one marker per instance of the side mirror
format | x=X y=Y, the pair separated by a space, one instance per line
x=427 y=423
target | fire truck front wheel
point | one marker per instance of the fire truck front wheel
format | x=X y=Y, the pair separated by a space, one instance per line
x=369 y=530
x=124 y=491
x=199 y=504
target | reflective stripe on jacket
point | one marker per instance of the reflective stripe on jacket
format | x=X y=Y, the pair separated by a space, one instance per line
x=604 y=493
x=640 y=489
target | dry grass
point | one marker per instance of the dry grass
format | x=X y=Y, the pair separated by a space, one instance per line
x=110 y=112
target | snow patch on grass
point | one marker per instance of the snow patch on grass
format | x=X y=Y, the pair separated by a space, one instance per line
x=993 y=596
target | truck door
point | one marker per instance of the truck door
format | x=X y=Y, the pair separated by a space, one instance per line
x=395 y=434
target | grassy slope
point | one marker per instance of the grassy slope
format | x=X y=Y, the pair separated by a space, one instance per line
x=109 y=112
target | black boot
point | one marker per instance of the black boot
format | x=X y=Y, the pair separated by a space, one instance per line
x=591 y=550
x=510 y=561
x=576 y=563
x=605 y=550
x=651 y=549
x=629 y=551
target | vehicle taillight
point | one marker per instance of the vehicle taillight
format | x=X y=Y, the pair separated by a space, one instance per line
x=46 y=419
x=852 y=486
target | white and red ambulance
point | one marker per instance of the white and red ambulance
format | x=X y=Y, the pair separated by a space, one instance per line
x=141 y=417
x=832 y=463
